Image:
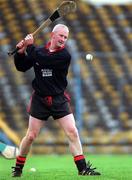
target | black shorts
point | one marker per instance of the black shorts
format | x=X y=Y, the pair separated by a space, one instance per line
x=43 y=107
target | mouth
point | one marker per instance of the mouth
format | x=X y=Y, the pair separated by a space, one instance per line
x=60 y=43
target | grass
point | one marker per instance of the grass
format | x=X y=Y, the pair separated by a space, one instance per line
x=61 y=167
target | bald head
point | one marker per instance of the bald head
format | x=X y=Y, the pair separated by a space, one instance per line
x=59 y=27
x=59 y=36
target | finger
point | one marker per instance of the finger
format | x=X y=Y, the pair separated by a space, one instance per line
x=20 y=45
x=22 y=41
x=29 y=36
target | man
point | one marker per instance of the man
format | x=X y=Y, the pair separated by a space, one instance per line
x=50 y=65
x=9 y=152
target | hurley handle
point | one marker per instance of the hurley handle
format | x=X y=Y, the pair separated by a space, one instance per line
x=65 y=8
x=10 y=53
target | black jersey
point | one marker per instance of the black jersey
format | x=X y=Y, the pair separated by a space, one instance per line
x=50 y=68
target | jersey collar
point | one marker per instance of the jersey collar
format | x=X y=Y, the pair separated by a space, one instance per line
x=56 y=50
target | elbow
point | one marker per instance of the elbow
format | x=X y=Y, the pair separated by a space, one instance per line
x=20 y=69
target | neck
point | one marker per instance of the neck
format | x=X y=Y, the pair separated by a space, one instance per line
x=52 y=47
x=51 y=50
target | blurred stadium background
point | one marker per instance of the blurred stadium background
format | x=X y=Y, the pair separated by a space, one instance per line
x=101 y=89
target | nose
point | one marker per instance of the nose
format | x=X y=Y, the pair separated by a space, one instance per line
x=62 y=39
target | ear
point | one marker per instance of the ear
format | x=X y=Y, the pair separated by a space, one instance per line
x=51 y=34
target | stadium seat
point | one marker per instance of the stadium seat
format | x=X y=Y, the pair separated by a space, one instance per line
x=104 y=31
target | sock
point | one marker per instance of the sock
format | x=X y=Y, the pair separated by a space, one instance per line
x=80 y=162
x=20 y=161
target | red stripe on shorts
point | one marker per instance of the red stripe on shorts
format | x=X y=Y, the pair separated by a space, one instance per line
x=30 y=102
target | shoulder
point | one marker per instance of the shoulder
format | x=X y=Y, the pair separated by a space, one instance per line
x=66 y=53
x=18 y=55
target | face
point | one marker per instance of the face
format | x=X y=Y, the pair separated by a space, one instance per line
x=59 y=37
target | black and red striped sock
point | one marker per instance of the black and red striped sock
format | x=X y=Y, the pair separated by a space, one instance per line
x=20 y=161
x=80 y=162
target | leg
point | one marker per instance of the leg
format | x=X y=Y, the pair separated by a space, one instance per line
x=69 y=127
x=9 y=152
x=32 y=132
x=2 y=147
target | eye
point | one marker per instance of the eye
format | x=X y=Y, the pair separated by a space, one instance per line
x=65 y=37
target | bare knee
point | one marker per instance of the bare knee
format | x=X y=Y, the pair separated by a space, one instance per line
x=30 y=136
x=72 y=133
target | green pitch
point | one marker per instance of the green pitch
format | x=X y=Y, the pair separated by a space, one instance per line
x=61 y=167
